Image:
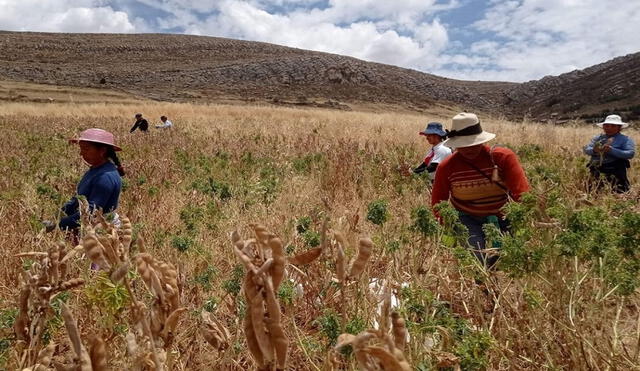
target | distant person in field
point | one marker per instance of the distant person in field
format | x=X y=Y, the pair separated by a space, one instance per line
x=101 y=184
x=478 y=181
x=141 y=123
x=165 y=123
x=435 y=135
x=610 y=154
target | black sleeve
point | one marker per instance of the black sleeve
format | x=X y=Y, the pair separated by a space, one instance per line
x=135 y=126
x=420 y=168
x=432 y=167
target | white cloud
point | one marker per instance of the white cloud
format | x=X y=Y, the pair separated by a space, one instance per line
x=550 y=37
x=62 y=16
x=514 y=40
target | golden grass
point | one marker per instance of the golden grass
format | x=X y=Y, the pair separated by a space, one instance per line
x=259 y=152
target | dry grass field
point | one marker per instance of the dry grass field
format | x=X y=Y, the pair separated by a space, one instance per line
x=564 y=297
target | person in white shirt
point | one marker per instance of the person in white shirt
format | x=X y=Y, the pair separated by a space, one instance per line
x=435 y=135
x=166 y=124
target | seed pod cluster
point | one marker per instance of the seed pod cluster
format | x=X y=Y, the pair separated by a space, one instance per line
x=264 y=260
x=365 y=247
x=375 y=349
x=46 y=278
x=214 y=332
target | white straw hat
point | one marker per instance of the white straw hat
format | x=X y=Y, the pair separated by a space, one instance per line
x=466 y=132
x=614 y=120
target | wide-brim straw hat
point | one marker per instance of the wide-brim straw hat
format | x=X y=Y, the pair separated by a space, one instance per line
x=466 y=132
x=97 y=136
x=614 y=120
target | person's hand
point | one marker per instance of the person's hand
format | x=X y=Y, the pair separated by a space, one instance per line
x=606 y=148
x=49 y=226
x=597 y=148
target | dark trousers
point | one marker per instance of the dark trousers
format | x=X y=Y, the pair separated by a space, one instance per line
x=477 y=238
x=614 y=172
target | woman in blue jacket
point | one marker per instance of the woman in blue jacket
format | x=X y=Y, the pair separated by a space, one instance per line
x=102 y=183
x=610 y=153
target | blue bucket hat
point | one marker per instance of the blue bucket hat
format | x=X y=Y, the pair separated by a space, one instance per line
x=434 y=128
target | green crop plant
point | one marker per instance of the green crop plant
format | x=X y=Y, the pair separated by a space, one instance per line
x=424 y=222
x=378 y=212
x=234 y=284
x=311 y=238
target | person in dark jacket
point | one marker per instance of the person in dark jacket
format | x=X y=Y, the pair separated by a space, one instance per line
x=610 y=154
x=141 y=123
x=102 y=183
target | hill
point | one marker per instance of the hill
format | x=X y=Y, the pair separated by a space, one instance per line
x=192 y=68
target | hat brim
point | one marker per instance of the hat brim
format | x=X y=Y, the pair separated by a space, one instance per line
x=468 y=140
x=441 y=133
x=76 y=140
x=623 y=124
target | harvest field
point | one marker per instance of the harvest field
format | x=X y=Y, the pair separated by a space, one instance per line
x=565 y=296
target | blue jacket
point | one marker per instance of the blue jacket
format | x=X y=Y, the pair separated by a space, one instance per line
x=622 y=147
x=101 y=186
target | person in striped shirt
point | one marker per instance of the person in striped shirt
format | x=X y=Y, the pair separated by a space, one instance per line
x=478 y=181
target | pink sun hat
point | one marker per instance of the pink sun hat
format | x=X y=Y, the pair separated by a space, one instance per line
x=97 y=136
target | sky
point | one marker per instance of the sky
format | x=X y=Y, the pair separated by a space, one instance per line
x=502 y=40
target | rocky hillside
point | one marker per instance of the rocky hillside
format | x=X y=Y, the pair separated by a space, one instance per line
x=181 y=68
x=606 y=87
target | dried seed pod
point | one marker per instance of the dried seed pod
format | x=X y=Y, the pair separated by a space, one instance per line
x=365 y=247
x=74 y=336
x=245 y=260
x=70 y=284
x=54 y=262
x=387 y=360
x=72 y=329
x=386 y=307
x=256 y=309
x=126 y=230
x=21 y=323
x=261 y=233
x=214 y=332
x=266 y=266
x=94 y=250
x=98 y=354
x=252 y=342
x=401 y=359
x=170 y=324
x=109 y=251
x=399 y=330
x=307 y=256
x=248 y=247
x=148 y=274
x=358 y=344
x=45 y=355
x=337 y=235
x=120 y=272
x=71 y=253
x=278 y=338
x=279 y=260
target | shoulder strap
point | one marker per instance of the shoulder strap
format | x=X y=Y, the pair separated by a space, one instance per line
x=485 y=175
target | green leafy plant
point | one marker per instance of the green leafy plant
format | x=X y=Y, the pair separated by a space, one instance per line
x=424 y=222
x=377 y=212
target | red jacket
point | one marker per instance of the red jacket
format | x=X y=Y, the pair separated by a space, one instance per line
x=473 y=193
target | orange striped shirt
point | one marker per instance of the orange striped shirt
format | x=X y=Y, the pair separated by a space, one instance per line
x=473 y=193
